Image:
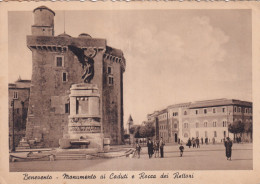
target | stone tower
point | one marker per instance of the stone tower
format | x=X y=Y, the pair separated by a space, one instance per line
x=58 y=64
x=130 y=123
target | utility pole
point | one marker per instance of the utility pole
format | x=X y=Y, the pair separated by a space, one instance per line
x=12 y=104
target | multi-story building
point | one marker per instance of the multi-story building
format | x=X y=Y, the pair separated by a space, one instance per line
x=202 y=119
x=18 y=100
x=60 y=61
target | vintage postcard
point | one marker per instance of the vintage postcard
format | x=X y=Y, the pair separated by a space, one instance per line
x=138 y=92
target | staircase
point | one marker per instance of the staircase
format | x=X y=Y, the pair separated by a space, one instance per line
x=70 y=156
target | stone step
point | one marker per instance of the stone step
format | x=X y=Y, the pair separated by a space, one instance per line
x=70 y=157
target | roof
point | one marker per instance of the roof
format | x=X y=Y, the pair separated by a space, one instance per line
x=64 y=35
x=218 y=102
x=130 y=118
x=44 y=7
x=85 y=35
x=180 y=105
x=114 y=52
x=20 y=84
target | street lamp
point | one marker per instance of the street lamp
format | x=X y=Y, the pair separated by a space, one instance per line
x=12 y=104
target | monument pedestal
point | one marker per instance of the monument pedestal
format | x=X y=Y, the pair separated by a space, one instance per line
x=84 y=126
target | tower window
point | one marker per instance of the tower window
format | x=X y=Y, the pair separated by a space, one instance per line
x=205 y=111
x=239 y=109
x=223 y=109
x=205 y=124
x=196 y=111
x=64 y=77
x=214 y=110
x=59 y=61
x=215 y=133
x=110 y=80
x=15 y=95
x=67 y=108
x=214 y=123
x=109 y=70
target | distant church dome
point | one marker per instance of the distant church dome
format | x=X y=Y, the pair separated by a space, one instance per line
x=64 y=35
x=85 y=35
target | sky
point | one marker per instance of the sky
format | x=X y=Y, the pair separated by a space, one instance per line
x=172 y=56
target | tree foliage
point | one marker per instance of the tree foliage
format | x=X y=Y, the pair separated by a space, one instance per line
x=148 y=130
x=237 y=127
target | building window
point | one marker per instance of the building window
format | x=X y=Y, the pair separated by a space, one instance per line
x=196 y=112
x=223 y=109
x=15 y=95
x=64 y=76
x=109 y=70
x=175 y=125
x=185 y=112
x=239 y=109
x=59 y=61
x=215 y=133
x=67 y=108
x=197 y=125
x=110 y=80
x=205 y=111
x=214 y=110
x=249 y=110
x=246 y=110
x=235 y=109
x=205 y=124
x=214 y=123
x=224 y=123
x=185 y=125
x=175 y=114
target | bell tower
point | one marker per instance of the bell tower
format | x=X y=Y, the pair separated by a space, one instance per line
x=43 y=22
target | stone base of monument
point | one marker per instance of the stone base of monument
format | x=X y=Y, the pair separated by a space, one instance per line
x=90 y=143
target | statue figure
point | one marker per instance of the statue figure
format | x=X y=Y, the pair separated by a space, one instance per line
x=85 y=57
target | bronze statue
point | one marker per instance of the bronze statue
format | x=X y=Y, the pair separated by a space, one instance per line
x=85 y=57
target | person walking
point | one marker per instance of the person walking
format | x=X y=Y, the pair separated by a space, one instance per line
x=156 y=148
x=181 y=148
x=161 y=145
x=228 y=145
x=193 y=141
x=197 y=142
x=150 y=148
x=206 y=140
x=213 y=140
x=138 y=149
x=189 y=143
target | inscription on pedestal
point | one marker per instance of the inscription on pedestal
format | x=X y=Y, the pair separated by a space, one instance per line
x=85 y=129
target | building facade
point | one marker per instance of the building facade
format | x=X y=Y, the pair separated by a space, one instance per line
x=58 y=62
x=203 y=119
x=18 y=101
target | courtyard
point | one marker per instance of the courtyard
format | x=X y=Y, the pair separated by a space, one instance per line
x=207 y=157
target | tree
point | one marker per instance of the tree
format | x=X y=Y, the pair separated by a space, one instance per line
x=238 y=127
x=132 y=130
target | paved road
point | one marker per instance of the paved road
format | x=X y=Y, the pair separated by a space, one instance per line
x=207 y=157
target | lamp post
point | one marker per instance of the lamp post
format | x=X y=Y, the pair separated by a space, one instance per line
x=12 y=104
